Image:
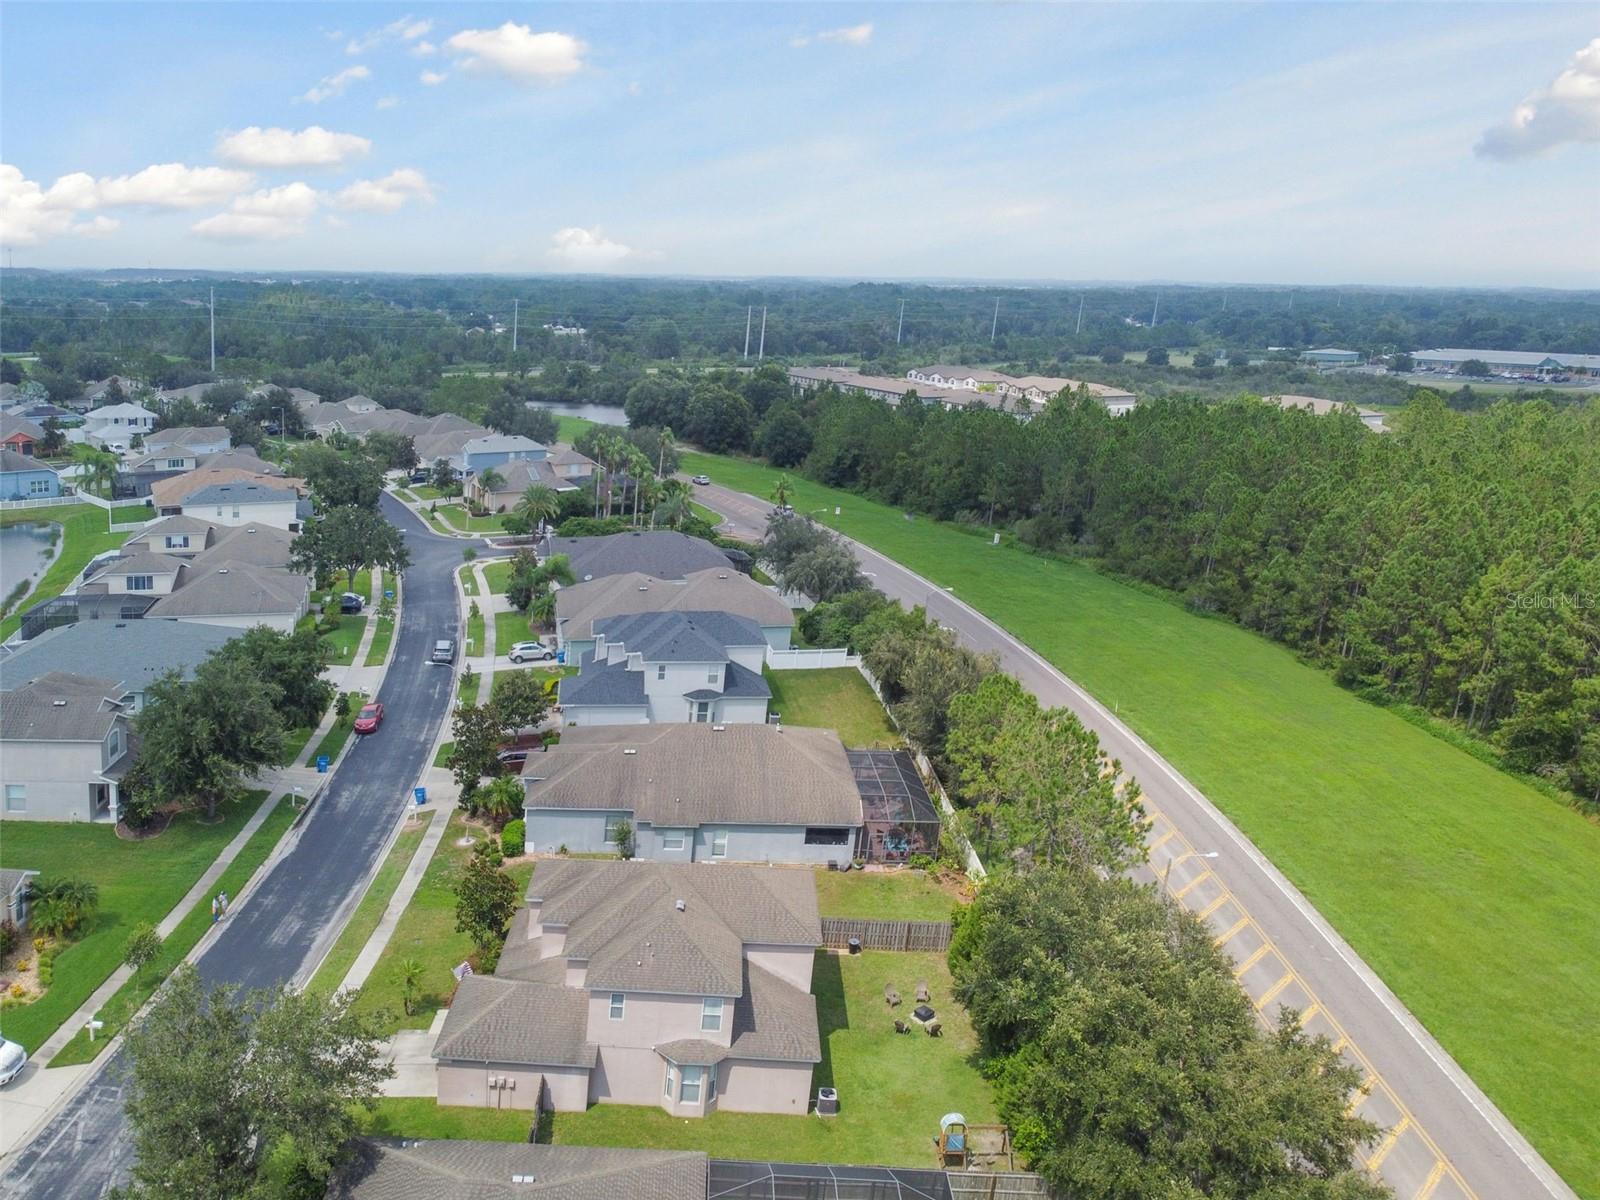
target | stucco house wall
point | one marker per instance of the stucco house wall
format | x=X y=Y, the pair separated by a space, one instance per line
x=778 y=637
x=627 y=1075
x=790 y=963
x=580 y=832
x=650 y=1019
x=278 y=514
x=57 y=778
x=468 y=1084
x=31 y=484
x=748 y=1086
x=768 y=843
x=605 y=714
x=282 y=622
x=740 y=710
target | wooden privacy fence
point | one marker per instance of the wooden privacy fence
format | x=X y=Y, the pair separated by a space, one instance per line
x=998 y=1185
x=885 y=935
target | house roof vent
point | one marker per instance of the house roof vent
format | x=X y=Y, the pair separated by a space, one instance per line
x=58 y=703
x=630 y=750
x=680 y=906
x=718 y=728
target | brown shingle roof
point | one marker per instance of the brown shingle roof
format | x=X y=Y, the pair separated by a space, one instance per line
x=513 y=1021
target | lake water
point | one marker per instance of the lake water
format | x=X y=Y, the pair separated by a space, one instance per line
x=25 y=551
x=604 y=414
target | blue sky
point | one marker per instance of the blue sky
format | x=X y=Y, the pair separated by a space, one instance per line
x=1289 y=143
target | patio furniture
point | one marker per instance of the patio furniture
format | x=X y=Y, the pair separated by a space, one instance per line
x=890 y=996
x=901 y=1027
x=922 y=990
x=934 y=1029
x=923 y=1013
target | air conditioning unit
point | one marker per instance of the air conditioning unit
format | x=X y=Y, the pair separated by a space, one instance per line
x=827 y=1102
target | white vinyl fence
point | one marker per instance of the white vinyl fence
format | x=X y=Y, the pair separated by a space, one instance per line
x=810 y=660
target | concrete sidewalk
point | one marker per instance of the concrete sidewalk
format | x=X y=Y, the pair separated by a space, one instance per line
x=373 y=950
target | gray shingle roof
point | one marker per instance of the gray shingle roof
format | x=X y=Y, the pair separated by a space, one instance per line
x=681 y=636
x=60 y=707
x=609 y=685
x=256 y=545
x=738 y=683
x=169 y=526
x=501 y=443
x=512 y=1021
x=143 y=562
x=461 y=1170
x=241 y=493
x=775 y=1020
x=684 y=776
x=718 y=589
x=12 y=425
x=11 y=460
x=186 y=435
x=134 y=653
x=661 y=553
x=231 y=588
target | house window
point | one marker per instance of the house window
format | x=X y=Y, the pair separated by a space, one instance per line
x=827 y=837
x=719 y=843
x=16 y=797
x=38 y=487
x=714 y=675
x=661 y=671
x=178 y=541
x=689 y=1093
x=614 y=828
x=141 y=583
x=174 y=464
x=113 y=744
x=672 y=839
x=618 y=1002
x=711 y=1014
x=702 y=711
x=235 y=512
x=672 y=1080
x=711 y=1084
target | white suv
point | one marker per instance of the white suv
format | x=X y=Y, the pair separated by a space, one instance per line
x=530 y=652
x=12 y=1059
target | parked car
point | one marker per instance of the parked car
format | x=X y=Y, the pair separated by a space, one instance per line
x=530 y=652
x=784 y=510
x=351 y=603
x=512 y=758
x=702 y=480
x=369 y=718
x=444 y=651
x=12 y=1059
x=419 y=476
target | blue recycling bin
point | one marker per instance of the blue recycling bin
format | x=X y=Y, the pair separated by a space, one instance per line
x=322 y=764
x=561 y=657
x=388 y=593
x=421 y=794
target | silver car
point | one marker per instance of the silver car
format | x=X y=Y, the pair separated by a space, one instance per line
x=12 y=1059
x=530 y=652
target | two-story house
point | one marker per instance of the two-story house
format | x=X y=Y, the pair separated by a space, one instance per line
x=717 y=589
x=64 y=748
x=685 y=986
x=562 y=470
x=245 y=503
x=195 y=439
x=115 y=426
x=696 y=793
x=670 y=667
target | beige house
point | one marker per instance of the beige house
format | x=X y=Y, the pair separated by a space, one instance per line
x=65 y=747
x=715 y=589
x=461 y=1170
x=684 y=986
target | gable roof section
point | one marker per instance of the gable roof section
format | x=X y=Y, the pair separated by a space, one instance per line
x=684 y=776
x=179 y=523
x=232 y=589
x=143 y=562
x=61 y=707
x=716 y=589
x=186 y=435
x=11 y=426
x=664 y=554
x=689 y=637
x=241 y=492
x=134 y=653
x=512 y=1021
x=255 y=545
x=11 y=460
x=169 y=493
x=608 y=685
x=462 y=1170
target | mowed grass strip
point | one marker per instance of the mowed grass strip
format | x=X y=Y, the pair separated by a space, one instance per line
x=84 y=534
x=128 y=999
x=904 y=895
x=364 y=921
x=1469 y=892
x=138 y=881
x=836 y=698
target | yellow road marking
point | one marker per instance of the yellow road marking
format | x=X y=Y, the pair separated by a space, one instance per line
x=1272 y=991
x=1261 y=952
x=1312 y=1010
x=1432 y=1181
x=1214 y=905
x=1232 y=931
x=1191 y=885
x=1162 y=840
x=1389 y=1139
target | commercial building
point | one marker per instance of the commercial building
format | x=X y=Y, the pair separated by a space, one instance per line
x=1510 y=362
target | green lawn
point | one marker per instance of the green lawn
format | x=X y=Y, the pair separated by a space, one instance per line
x=83 y=528
x=124 y=514
x=369 y=912
x=426 y=491
x=885 y=895
x=469 y=581
x=456 y=515
x=1471 y=893
x=343 y=642
x=498 y=576
x=333 y=741
x=705 y=514
x=511 y=627
x=382 y=636
x=138 y=881
x=837 y=698
x=570 y=428
x=475 y=627
x=441 y=757
x=127 y=1000
x=427 y=933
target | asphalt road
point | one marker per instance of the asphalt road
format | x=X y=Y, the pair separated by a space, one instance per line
x=298 y=909
x=1446 y=1140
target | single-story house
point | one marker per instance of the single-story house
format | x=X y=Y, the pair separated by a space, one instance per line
x=24 y=478
x=134 y=654
x=683 y=985
x=667 y=667
x=20 y=434
x=462 y=1170
x=743 y=793
x=16 y=891
x=717 y=589
x=201 y=439
x=664 y=554
x=65 y=747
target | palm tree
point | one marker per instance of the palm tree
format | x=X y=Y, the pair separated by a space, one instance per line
x=100 y=471
x=489 y=480
x=666 y=446
x=411 y=972
x=501 y=800
x=674 y=506
x=538 y=504
x=61 y=905
x=639 y=471
x=555 y=569
x=782 y=490
x=543 y=609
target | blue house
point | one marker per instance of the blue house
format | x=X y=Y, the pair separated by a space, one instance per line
x=497 y=449
x=24 y=478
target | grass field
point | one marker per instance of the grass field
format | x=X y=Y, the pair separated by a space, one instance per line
x=458 y=518
x=498 y=576
x=138 y=881
x=343 y=642
x=1471 y=893
x=83 y=530
x=837 y=698
x=441 y=757
x=382 y=636
x=369 y=912
x=509 y=628
x=885 y=895
x=128 y=999
x=475 y=627
x=427 y=933
x=469 y=581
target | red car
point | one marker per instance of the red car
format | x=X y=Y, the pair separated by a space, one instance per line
x=369 y=718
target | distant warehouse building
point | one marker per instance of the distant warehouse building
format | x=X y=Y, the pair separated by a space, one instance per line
x=1510 y=362
x=1331 y=358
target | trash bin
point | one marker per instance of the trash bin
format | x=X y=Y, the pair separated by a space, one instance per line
x=855 y=945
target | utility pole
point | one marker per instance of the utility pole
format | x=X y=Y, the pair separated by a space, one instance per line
x=901 y=327
x=762 y=351
x=749 y=311
x=213 y=331
x=1079 y=329
x=994 y=322
x=515 y=312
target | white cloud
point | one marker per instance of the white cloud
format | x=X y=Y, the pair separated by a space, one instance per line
x=270 y=214
x=433 y=78
x=586 y=249
x=166 y=185
x=406 y=29
x=313 y=146
x=847 y=35
x=386 y=102
x=517 y=52
x=30 y=213
x=1566 y=111
x=424 y=49
x=386 y=194
x=333 y=85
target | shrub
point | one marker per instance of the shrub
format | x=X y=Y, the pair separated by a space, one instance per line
x=513 y=838
x=8 y=938
x=341 y=707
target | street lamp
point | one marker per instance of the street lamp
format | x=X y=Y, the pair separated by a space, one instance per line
x=1166 y=874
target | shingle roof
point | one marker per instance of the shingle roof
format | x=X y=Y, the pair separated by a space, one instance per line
x=662 y=553
x=520 y=474
x=10 y=426
x=169 y=526
x=775 y=1020
x=718 y=589
x=169 y=493
x=690 y=637
x=11 y=460
x=683 y=776
x=241 y=493
x=452 y=1170
x=186 y=435
x=499 y=443
x=231 y=588
x=242 y=458
x=512 y=1021
x=134 y=653
x=610 y=685
x=143 y=562
x=59 y=707
x=256 y=545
